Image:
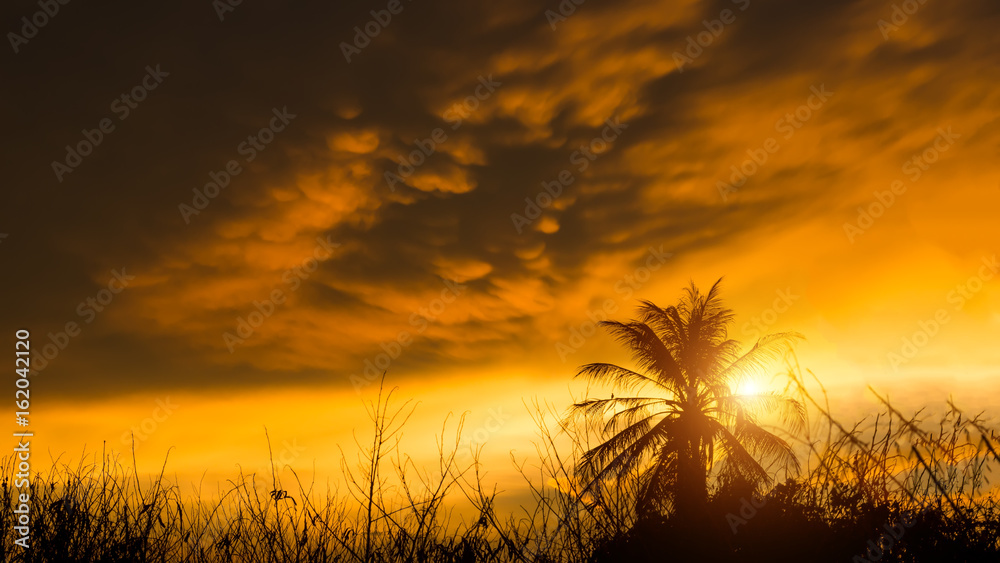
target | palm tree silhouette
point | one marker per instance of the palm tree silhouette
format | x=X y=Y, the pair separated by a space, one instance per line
x=681 y=418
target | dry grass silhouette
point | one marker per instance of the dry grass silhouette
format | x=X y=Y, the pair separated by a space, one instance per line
x=857 y=480
x=892 y=487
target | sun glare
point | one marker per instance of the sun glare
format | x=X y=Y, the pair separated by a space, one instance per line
x=750 y=387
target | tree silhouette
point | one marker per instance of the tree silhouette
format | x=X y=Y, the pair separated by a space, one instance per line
x=678 y=419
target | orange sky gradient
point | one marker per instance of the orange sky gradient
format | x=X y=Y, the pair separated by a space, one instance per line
x=790 y=242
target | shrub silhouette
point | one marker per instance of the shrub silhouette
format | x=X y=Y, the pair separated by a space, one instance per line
x=892 y=487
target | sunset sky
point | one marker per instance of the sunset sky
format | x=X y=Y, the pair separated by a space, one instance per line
x=834 y=162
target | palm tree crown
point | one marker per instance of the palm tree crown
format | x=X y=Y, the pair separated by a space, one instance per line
x=681 y=418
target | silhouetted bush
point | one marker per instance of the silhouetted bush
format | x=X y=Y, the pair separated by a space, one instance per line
x=921 y=484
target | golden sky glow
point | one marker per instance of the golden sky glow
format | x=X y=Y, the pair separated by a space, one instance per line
x=872 y=218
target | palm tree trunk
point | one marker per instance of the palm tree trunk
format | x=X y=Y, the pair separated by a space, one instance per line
x=692 y=483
